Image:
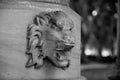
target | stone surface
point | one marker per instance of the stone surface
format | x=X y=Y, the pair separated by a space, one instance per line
x=14 y=20
x=61 y=2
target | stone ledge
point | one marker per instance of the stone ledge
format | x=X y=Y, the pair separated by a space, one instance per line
x=61 y=2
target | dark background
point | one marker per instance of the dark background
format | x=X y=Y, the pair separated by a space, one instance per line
x=99 y=30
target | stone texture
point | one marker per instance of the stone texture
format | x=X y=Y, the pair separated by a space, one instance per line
x=14 y=20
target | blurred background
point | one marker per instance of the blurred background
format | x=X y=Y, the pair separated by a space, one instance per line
x=99 y=31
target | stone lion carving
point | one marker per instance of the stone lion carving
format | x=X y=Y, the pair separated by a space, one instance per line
x=49 y=37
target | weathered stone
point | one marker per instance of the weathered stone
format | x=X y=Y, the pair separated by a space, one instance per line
x=39 y=40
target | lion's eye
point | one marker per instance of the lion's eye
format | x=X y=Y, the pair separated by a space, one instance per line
x=57 y=27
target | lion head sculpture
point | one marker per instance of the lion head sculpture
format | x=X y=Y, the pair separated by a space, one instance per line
x=50 y=37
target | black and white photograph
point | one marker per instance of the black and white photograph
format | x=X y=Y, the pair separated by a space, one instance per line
x=59 y=39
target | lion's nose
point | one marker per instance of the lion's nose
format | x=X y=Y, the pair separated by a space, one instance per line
x=69 y=40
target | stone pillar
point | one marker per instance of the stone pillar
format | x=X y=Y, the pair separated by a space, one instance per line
x=39 y=39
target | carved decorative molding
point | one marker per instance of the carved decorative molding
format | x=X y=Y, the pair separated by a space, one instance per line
x=49 y=37
x=61 y=2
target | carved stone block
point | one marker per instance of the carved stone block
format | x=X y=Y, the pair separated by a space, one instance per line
x=39 y=41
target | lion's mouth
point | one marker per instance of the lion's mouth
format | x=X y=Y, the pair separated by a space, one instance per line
x=60 y=56
x=61 y=52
